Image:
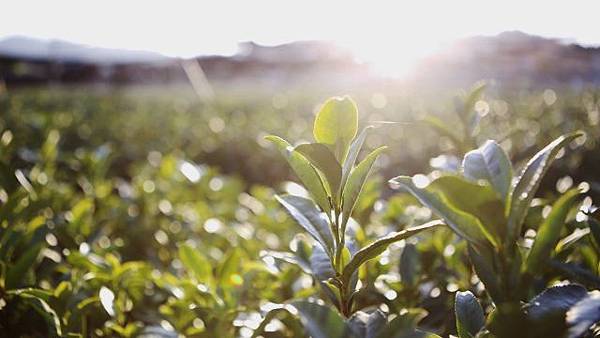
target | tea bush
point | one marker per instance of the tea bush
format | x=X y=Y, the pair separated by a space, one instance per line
x=111 y=224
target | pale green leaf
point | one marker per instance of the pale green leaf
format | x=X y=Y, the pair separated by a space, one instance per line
x=336 y=125
x=489 y=162
x=323 y=159
x=197 y=265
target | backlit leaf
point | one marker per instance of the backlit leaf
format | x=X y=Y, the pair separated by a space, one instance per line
x=355 y=183
x=336 y=125
x=197 y=264
x=377 y=247
x=529 y=181
x=489 y=162
x=323 y=159
x=305 y=171
x=549 y=232
x=472 y=211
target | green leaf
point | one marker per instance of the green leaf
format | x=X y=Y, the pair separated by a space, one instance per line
x=41 y=306
x=594 y=225
x=320 y=321
x=547 y=311
x=549 y=232
x=584 y=314
x=470 y=318
x=82 y=211
x=16 y=272
x=355 y=183
x=197 y=264
x=483 y=261
x=269 y=316
x=529 y=181
x=377 y=247
x=290 y=258
x=229 y=268
x=320 y=264
x=405 y=326
x=336 y=125
x=305 y=171
x=375 y=324
x=39 y=293
x=472 y=211
x=575 y=272
x=353 y=152
x=489 y=162
x=409 y=265
x=571 y=239
x=323 y=159
x=304 y=212
x=367 y=325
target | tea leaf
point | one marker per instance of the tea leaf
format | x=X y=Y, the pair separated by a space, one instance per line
x=367 y=325
x=483 y=262
x=323 y=159
x=469 y=314
x=43 y=309
x=320 y=321
x=529 y=181
x=355 y=183
x=584 y=314
x=377 y=247
x=489 y=163
x=336 y=125
x=409 y=265
x=197 y=264
x=16 y=273
x=303 y=211
x=305 y=171
x=547 y=310
x=353 y=152
x=320 y=264
x=460 y=203
x=549 y=232
x=405 y=326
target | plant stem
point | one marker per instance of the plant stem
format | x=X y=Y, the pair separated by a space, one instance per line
x=339 y=242
x=344 y=304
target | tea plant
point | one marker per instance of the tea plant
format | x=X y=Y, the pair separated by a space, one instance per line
x=127 y=216
x=330 y=174
x=487 y=207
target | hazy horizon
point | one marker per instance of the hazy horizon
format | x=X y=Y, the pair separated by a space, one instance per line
x=186 y=29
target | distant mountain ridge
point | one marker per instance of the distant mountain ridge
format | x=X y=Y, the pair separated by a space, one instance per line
x=514 y=58
x=40 y=49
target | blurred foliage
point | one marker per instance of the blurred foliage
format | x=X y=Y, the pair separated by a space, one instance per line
x=147 y=213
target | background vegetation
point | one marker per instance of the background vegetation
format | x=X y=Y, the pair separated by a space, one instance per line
x=141 y=211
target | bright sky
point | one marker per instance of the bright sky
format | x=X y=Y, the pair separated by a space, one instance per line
x=378 y=31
